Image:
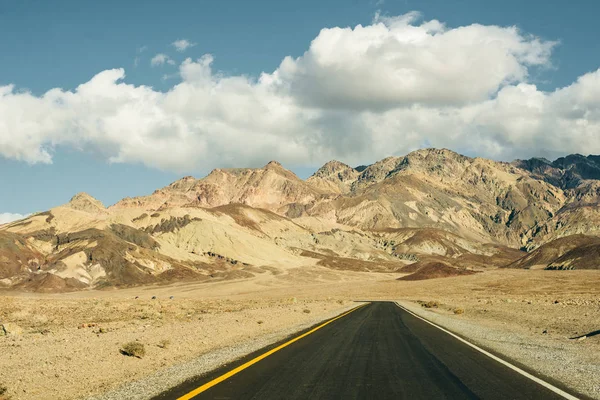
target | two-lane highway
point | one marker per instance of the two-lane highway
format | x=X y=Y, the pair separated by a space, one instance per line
x=378 y=351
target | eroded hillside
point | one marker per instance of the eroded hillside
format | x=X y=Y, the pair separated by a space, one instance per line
x=429 y=208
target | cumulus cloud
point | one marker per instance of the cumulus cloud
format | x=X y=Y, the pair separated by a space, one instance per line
x=161 y=59
x=5 y=218
x=395 y=62
x=356 y=94
x=182 y=45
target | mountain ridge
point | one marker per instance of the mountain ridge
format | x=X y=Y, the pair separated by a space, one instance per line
x=434 y=207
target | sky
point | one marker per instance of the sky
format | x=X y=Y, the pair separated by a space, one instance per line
x=121 y=98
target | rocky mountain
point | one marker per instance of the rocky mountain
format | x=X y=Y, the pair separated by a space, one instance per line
x=567 y=172
x=334 y=177
x=432 y=208
x=85 y=202
x=473 y=197
x=272 y=187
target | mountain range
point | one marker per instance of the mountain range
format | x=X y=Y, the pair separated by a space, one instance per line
x=432 y=209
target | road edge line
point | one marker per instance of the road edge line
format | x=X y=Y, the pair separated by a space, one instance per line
x=526 y=374
x=229 y=374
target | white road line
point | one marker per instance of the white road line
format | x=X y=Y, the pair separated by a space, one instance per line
x=501 y=361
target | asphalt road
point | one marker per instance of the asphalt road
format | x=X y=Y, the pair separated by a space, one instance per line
x=378 y=351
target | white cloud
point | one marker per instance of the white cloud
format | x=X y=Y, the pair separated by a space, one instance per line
x=5 y=218
x=182 y=45
x=357 y=95
x=139 y=50
x=161 y=59
x=395 y=62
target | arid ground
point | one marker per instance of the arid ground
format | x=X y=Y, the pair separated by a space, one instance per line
x=67 y=346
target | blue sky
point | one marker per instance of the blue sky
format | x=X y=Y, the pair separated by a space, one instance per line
x=64 y=44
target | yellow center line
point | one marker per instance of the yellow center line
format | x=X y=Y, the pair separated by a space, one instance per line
x=242 y=367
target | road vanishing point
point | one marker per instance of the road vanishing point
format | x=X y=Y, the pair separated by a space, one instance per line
x=375 y=351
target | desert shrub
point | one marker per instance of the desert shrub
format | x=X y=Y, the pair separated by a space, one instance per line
x=431 y=304
x=133 y=349
x=3 y=391
x=459 y=311
x=306 y=311
x=260 y=322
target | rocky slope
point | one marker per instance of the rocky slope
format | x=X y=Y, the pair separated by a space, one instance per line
x=334 y=177
x=430 y=207
x=272 y=187
x=570 y=252
x=521 y=204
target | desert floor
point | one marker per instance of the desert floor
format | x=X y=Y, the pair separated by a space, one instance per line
x=67 y=346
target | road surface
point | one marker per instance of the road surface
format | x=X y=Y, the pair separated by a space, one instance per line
x=378 y=351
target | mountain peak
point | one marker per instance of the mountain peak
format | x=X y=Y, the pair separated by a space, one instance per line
x=334 y=176
x=184 y=183
x=273 y=164
x=333 y=167
x=434 y=153
x=84 y=202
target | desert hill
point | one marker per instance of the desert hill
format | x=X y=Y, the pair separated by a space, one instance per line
x=432 y=207
x=570 y=252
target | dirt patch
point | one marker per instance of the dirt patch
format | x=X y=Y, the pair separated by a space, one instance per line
x=170 y=225
x=45 y=235
x=50 y=283
x=432 y=270
x=140 y=217
x=236 y=211
x=353 y=264
x=134 y=236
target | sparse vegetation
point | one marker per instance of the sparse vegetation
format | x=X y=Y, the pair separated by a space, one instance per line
x=3 y=390
x=133 y=349
x=458 y=311
x=407 y=256
x=430 y=304
x=260 y=322
x=306 y=311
